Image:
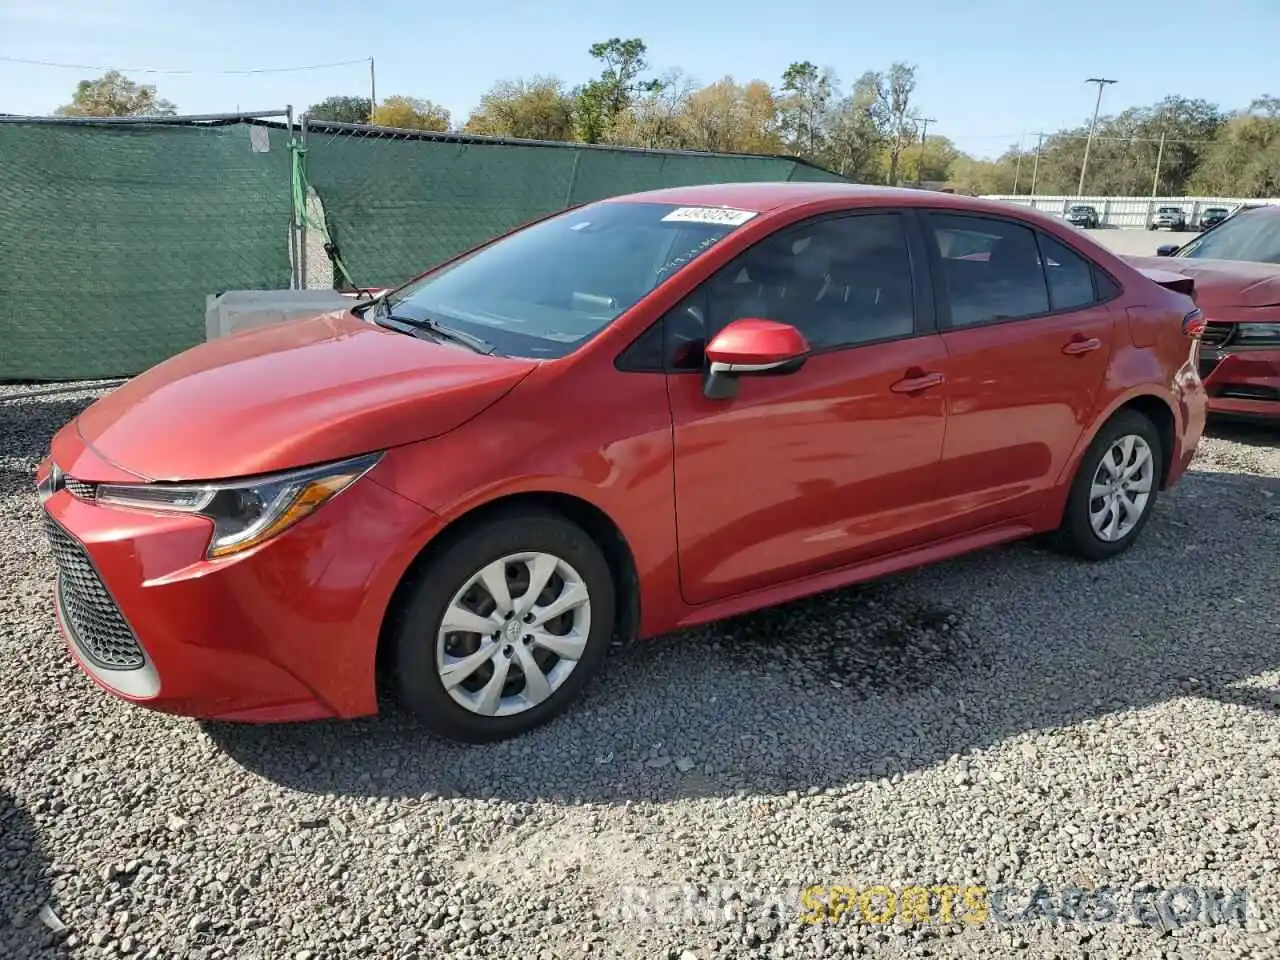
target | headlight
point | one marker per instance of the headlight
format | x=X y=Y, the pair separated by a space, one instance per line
x=245 y=513
x=1256 y=333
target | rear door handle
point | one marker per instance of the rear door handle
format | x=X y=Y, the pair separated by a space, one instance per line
x=1078 y=346
x=917 y=380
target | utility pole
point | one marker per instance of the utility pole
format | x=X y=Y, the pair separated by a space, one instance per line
x=1092 y=126
x=924 y=130
x=1035 y=168
x=373 y=90
x=1155 y=184
x=1017 y=170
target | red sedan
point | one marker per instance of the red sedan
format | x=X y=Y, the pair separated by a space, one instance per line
x=1236 y=269
x=644 y=413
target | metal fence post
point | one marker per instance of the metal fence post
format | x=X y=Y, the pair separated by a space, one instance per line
x=302 y=225
x=293 y=207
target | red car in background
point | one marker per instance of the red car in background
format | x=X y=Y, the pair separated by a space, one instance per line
x=1236 y=269
x=640 y=414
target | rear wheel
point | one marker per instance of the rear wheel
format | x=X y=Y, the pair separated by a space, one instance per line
x=1115 y=489
x=505 y=628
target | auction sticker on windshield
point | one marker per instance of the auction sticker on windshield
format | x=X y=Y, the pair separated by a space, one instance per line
x=721 y=215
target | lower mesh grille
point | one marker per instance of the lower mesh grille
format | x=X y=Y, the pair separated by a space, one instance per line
x=91 y=616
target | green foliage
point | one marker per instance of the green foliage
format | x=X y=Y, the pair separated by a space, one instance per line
x=537 y=109
x=410 y=113
x=601 y=101
x=342 y=109
x=115 y=95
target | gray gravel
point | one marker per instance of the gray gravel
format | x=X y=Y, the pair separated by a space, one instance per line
x=1004 y=719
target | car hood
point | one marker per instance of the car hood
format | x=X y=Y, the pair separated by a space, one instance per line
x=1221 y=283
x=291 y=394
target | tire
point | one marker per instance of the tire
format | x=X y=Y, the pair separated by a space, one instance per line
x=1077 y=534
x=418 y=647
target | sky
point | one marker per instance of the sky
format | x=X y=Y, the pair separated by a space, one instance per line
x=991 y=72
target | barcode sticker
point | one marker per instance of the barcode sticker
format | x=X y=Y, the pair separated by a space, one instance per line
x=720 y=215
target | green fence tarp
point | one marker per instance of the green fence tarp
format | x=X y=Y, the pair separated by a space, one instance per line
x=111 y=237
x=395 y=207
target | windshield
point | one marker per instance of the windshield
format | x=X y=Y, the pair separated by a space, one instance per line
x=1170 y=210
x=545 y=290
x=1215 y=211
x=1254 y=235
x=1082 y=209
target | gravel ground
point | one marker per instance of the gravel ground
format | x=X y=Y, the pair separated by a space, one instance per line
x=1005 y=719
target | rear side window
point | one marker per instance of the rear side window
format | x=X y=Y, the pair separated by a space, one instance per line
x=990 y=269
x=1070 y=275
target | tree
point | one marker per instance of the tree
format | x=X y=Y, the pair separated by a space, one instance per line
x=856 y=131
x=809 y=92
x=537 y=109
x=1244 y=159
x=934 y=161
x=655 y=119
x=600 y=101
x=727 y=117
x=342 y=109
x=410 y=113
x=974 y=177
x=115 y=95
x=896 y=93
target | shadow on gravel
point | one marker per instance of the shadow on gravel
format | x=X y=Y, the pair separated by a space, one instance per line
x=888 y=677
x=1250 y=432
x=24 y=889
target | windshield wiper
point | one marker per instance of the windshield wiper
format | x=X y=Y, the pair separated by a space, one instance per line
x=436 y=328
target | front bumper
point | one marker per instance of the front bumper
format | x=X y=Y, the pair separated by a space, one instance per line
x=1242 y=382
x=285 y=631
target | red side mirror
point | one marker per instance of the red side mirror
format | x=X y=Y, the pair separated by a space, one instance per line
x=752 y=347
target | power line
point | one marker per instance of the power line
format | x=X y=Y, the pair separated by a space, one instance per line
x=176 y=73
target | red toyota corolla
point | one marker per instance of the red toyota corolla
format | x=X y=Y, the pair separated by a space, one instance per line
x=640 y=414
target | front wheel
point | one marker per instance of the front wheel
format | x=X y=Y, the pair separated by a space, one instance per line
x=1115 y=489
x=503 y=630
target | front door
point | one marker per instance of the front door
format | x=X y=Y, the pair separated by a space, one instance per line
x=1029 y=337
x=835 y=462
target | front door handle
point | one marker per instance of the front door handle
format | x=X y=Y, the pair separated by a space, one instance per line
x=917 y=380
x=1080 y=345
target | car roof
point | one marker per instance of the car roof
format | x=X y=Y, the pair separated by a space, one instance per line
x=771 y=196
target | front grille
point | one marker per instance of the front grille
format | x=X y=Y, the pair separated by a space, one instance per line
x=91 y=616
x=1217 y=334
x=78 y=488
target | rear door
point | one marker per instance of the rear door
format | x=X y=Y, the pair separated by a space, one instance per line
x=1029 y=331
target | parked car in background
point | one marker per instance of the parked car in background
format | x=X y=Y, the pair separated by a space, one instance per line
x=1236 y=270
x=637 y=415
x=1082 y=215
x=1212 y=216
x=1172 y=218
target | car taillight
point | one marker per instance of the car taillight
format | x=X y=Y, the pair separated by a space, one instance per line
x=1193 y=324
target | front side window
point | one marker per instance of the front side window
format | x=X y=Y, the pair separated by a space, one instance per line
x=545 y=290
x=840 y=281
x=990 y=268
x=1252 y=235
